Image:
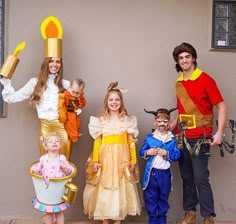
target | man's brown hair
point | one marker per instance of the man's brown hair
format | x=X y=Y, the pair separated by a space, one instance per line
x=184 y=47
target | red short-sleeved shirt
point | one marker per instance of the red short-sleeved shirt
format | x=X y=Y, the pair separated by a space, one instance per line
x=204 y=93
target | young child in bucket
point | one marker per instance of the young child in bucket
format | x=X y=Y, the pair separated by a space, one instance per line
x=159 y=149
x=52 y=165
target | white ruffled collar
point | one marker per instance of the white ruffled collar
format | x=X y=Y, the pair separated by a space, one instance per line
x=52 y=76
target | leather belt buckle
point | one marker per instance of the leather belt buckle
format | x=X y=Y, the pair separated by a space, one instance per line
x=189 y=119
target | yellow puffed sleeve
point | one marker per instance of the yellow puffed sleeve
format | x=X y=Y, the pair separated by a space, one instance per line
x=132 y=130
x=132 y=149
x=96 y=148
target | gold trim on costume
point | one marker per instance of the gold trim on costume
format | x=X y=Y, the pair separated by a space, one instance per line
x=9 y=67
x=190 y=119
x=196 y=121
x=53 y=48
x=54 y=179
x=71 y=193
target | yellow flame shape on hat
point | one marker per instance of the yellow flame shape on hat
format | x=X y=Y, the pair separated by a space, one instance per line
x=19 y=48
x=9 y=66
x=51 y=31
x=51 y=28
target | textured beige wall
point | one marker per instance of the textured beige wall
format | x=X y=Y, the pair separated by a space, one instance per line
x=130 y=41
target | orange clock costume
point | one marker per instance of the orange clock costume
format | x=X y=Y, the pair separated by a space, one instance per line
x=68 y=105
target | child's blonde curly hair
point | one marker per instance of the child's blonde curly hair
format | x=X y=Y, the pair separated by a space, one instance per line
x=45 y=139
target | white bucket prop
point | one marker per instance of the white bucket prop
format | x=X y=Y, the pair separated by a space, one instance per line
x=59 y=190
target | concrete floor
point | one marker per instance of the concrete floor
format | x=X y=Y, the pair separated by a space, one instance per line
x=39 y=221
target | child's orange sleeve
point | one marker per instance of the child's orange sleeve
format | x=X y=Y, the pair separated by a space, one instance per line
x=82 y=101
x=62 y=108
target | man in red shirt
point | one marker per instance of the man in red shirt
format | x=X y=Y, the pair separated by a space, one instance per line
x=197 y=94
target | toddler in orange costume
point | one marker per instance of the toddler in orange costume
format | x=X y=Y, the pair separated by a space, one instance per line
x=71 y=102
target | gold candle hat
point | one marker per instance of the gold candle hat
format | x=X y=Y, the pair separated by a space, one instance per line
x=52 y=32
x=9 y=66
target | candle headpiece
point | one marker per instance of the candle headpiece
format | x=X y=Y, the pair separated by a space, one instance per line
x=52 y=32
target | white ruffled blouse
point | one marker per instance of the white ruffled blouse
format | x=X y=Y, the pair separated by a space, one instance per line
x=48 y=106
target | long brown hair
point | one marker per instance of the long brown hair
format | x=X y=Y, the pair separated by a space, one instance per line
x=112 y=89
x=42 y=82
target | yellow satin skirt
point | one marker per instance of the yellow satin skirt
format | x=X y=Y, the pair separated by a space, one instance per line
x=47 y=126
x=112 y=192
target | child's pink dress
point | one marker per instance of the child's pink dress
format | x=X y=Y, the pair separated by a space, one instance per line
x=50 y=167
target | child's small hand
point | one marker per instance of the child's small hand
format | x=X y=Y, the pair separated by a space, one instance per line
x=65 y=169
x=78 y=111
x=32 y=170
x=132 y=167
x=152 y=152
x=162 y=152
x=95 y=167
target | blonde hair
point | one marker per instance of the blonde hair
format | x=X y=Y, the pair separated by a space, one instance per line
x=45 y=139
x=112 y=88
x=79 y=82
x=42 y=82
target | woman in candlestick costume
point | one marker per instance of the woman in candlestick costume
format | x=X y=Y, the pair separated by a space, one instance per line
x=43 y=91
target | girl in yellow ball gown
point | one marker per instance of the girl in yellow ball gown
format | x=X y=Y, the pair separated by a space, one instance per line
x=112 y=172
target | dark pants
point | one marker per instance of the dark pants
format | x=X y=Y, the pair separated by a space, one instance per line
x=156 y=195
x=196 y=187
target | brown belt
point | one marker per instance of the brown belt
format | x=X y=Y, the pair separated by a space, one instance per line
x=196 y=121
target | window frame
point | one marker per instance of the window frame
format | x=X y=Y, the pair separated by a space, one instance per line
x=2 y=47
x=213 y=36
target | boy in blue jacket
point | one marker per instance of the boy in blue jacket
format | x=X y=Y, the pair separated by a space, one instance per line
x=159 y=149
